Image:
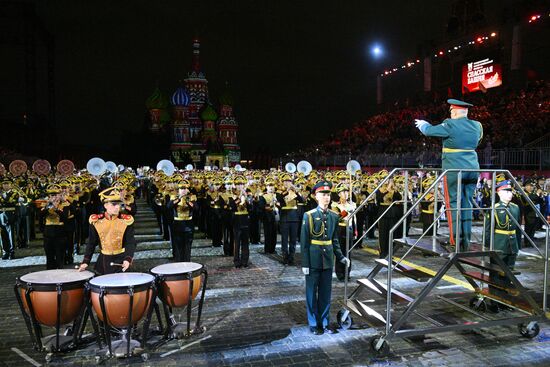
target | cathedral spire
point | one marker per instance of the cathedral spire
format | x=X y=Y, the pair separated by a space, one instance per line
x=196 y=64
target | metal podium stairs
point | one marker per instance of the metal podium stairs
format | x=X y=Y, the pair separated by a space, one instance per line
x=492 y=281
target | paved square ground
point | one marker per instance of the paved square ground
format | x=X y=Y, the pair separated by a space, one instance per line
x=256 y=317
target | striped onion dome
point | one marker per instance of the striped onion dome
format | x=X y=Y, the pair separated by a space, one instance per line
x=180 y=97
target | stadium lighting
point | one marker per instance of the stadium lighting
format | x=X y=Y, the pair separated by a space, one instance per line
x=377 y=51
x=493 y=34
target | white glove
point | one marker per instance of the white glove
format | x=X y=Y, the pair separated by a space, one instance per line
x=346 y=262
x=420 y=124
x=305 y=271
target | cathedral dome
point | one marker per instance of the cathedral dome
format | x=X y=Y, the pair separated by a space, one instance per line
x=226 y=99
x=180 y=97
x=157 y=100
x=209 y=113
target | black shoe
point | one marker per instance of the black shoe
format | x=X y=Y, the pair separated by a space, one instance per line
x=291 y=261
x=5 y=256
x=238 y=266
x=245 y=265
x=316 y=331
x=11 y=257
x=285 y=259
x=330 y=330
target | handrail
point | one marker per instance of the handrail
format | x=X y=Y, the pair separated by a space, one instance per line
x=391 y=268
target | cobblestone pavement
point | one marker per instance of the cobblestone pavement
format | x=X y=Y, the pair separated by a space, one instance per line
x=256 y=317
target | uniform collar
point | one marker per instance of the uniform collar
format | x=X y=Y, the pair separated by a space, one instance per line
x=109 y=217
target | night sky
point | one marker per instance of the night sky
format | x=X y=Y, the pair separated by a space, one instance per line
x=298 y=70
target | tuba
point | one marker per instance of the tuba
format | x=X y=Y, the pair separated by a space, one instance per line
x=96 y=166
x=352 y=167
x=166 y=166
x=111 y=167
x=290 y=167
x=304 y=167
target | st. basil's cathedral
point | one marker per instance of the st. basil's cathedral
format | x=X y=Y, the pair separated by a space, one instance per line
x=198 y=131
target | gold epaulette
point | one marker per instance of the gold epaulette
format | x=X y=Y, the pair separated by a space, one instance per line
x=193 y=198
x=127 y=218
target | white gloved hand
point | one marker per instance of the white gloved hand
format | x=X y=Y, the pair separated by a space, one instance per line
x=346 y=262
x=305 y=271
x=421 y=124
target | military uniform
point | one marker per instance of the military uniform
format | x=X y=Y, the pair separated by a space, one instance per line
x=507 y=239
x=267 y=204
x=113 y=235
x=342 y=208
x=531 y=219
x=461 y=137
x=385 y=197
x=215 y=205
x=288 y=208
x=8 y=201
x=54 y=216
x=228 y=235
x=240 y=206
x=320 y=247
x=427 y=207
x=182 y=228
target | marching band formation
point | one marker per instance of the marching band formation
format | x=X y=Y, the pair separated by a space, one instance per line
x=233 y=207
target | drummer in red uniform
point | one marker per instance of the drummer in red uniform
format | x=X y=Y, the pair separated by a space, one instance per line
x=114 y=233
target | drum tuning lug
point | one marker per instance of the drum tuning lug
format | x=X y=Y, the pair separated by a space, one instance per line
x=145 y=357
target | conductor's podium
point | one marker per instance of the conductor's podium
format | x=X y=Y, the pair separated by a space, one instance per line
x=491 y=280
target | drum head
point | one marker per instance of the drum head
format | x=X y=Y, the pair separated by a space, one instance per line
x=56 y=276
x=122 y=280
x=176 y=268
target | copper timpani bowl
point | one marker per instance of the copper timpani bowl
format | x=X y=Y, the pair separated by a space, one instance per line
x=174 y=280
x=42 y=287
x=115 y=290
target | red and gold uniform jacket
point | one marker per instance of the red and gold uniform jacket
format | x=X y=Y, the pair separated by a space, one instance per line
x=113 y=235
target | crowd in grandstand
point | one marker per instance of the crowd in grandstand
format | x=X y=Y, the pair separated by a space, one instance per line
x=510 y=119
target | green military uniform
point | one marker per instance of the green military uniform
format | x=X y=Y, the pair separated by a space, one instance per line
x=320 y=246
x=507 y=235
x=461 y=137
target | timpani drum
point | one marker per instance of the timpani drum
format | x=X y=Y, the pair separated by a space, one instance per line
x=52 y=298
x=178 y=285
x=120 y=301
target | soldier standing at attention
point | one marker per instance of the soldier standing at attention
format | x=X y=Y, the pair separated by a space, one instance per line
x=507 y=236
x=320 y=245
x=461 y=137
